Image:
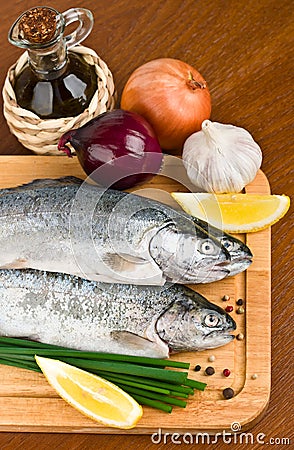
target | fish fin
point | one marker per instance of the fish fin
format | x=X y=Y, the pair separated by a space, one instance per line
x=20 y=263
x=43 y=183
x=122 y=261
x=32 y=337
x=131 y=269
x=134 y=342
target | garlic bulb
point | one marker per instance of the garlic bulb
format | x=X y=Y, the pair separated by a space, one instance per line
x=221 y=158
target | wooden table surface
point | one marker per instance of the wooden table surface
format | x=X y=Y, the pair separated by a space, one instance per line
x=243 y=49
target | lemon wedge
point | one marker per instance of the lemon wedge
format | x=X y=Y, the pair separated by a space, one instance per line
x=93 y=396
x=235 y=213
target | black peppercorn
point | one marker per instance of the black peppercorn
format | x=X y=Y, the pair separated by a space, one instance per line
x=228 y=393
x=209 y=370
x=239 y=302
x=197 y=368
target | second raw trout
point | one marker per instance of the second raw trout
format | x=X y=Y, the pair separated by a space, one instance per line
x=137 y=320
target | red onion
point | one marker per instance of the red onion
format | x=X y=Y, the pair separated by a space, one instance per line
x=117 y=149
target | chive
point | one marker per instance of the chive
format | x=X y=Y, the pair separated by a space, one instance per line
x=17 y=359
x=146 y=379
x=179 y=394
x=55 y=351
x=142 y=400
x=20 y=357
x=126 y=382
x=24 y=342
x=133 y=369
x=123 y=383
x=19 y=364
x=113 y=366
x=152 y=382
x=69 y=355
x=121 y=368
x=178 y=391
x=162 y=398
x=152 y=403
x=195 y=384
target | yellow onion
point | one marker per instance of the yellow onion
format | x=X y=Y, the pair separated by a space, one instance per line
x=172 y=96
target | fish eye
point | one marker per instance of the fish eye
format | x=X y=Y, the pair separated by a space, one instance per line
x=207 y=248
x=229 y=245
x=211 y=320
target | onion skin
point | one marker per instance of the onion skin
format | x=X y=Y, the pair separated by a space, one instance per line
x=172 y=96
x=121 y=144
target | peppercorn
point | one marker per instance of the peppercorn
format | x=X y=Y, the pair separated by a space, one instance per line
x=240 y=310
x=239 y=302
x=211 y=358
x=197 y=368
x=226 y=298
x=228 y=393
x=226 y=372
x=229 y=308
x=209 y=370
x=240 y=336
x=254 y=376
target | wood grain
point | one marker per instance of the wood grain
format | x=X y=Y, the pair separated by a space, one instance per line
x=244 y=51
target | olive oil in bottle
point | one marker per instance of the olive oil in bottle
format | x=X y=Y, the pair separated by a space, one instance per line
x=55 y=82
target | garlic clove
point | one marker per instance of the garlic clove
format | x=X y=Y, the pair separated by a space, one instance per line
x=221 y=157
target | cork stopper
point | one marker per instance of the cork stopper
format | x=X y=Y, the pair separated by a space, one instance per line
x=38 y=25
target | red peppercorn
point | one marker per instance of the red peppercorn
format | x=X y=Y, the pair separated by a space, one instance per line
x=226 y=372
x=229 y=308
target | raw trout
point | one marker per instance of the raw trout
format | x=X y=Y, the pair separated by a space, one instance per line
x=119 y=318
x=72 y=227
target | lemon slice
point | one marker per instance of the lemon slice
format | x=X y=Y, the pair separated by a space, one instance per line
x=93 y=396
x=235 y=213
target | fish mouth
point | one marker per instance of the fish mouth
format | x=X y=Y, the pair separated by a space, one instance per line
x=221 y=334
x=238 y=265
x=207 y=274
x=222 y=267
x=222 y=264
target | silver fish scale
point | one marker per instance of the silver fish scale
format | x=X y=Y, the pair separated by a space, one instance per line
x=38 y=207
x=74 y=298
x=135 y=213
x=31 y=211
x=45 y=222
x=76 y=313
x=72 y=312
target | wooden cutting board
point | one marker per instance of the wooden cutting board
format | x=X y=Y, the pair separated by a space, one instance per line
x=28 y=403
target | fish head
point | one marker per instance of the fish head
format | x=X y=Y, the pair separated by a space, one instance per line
x=192 y=323
x=187 y=254
x=241 y=255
